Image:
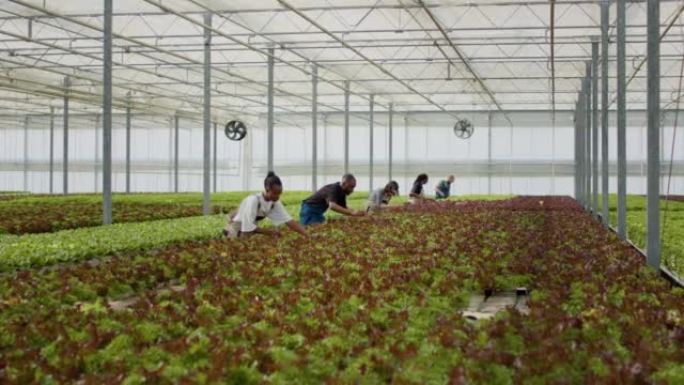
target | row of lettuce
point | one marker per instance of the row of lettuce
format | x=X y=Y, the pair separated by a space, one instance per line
x=37 y=250
x=24 y=214
x=144 y=223
x=380 y=301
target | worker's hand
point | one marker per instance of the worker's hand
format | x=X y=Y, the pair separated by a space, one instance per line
x=275 y=233
x=358 y=213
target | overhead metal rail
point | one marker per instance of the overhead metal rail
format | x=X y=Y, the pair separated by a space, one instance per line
x=174 y=53
x=232 y=11
x=464 y=60
x=360 y=54
x=270 y=54
x=380 y=42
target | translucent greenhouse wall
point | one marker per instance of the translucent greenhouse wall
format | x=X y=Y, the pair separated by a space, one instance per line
x=534 y=156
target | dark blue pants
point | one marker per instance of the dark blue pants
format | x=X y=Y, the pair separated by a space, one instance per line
x=311 y=215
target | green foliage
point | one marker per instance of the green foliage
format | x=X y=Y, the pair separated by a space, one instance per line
x=369 y=300
x=37 y=250
x=74 y=245
x=672 y=224
x=671 y=374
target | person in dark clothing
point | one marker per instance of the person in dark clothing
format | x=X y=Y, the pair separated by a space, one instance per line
x=332 y=196
x=417 y=192
x=443 y=188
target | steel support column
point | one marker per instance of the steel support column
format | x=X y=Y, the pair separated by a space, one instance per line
x=96 y=162
x=271 y=64
x=346 y=126
x=170 y=184
x=489 y=152
x=371 y=104
x=406 y=150
x=584 y=137
x=621 y=121
x=391 y=139
x=588 y=136
x=206 y=201
x=52 y=148
x=215 y=179
x=65 y=132
x=653 y=136
x=107 y=117
x=605 y=24
x=128 y=145
x=578 y=166
x=583 y=154
x=26 y=152
x=314 y=127
x=582 y=128
x=176 y=152
x=594 y=126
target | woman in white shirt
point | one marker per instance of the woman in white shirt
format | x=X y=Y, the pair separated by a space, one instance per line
x=257 y=207
x=381 y=197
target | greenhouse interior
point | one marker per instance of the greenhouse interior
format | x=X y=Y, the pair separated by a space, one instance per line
x=341 y=192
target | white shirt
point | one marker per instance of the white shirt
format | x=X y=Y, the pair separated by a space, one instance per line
x=256 y=206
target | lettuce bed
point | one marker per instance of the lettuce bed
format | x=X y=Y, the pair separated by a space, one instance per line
x=672 y=227
x=38 y=250
x=49 y=213
x=368 y=300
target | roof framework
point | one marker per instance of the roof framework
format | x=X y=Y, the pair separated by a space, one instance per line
x=436 y=55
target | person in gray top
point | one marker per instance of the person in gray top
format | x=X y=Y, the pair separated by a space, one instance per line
x=381 y=197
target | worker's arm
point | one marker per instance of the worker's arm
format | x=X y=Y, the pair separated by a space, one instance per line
x=265 y=231
x=343 y=210
x=438 y=191
x=295 y=226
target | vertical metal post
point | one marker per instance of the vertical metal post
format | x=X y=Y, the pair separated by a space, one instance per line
x=176 y=152
x=270 y=108
x=406 y=150
x=170 y=168
x=489 y=152
x=52 y=148
x=65 y=132
x=594 y=125
x=107 y=117
x=577 y=151
x=96 y=167
x=314 y=127
x=587 y=136
x=391 y=139
x=26 y=152
x=580 y=123
x=621 y=121
x=586 y=125
x=346 y=126
x=553 y=147
x=653 y=140
x=128 y=144
x=207 y=114
x=215 y=156
x=604 y=111
x=370 y=165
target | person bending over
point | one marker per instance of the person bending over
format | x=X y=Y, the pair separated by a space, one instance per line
x=256 y=207
x=443 y=188
x=381 y=197
x=332 y=196
x=417 y=193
